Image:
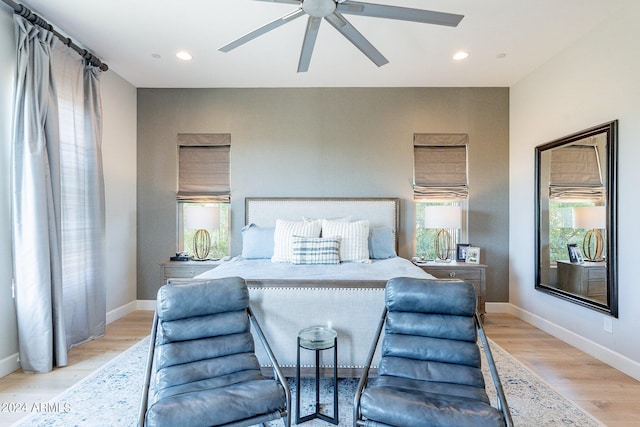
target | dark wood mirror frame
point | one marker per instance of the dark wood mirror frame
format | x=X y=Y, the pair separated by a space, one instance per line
x=610 y=305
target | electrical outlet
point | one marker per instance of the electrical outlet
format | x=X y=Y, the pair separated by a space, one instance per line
x=608 y=325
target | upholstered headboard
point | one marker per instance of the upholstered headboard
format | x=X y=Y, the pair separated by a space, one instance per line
x=381 y=212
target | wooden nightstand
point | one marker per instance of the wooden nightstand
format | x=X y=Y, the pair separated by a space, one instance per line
x=588 y=279
x=472 y=273
x=186 y=269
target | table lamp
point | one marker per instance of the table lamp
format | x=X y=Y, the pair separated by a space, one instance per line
x=444 y=218
x=593 y=219
x=201 y=219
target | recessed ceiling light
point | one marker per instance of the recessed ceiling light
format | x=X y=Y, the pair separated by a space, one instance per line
x=156 y=56
x=459 y=56
x=501 y=55
x=184 y=55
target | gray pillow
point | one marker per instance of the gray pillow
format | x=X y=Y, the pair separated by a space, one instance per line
x=382 y=244
x=257 y=242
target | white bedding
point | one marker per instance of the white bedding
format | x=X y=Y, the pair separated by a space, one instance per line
x=348 y=297
x=265 y=271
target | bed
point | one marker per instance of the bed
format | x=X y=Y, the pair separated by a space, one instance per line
x=347 y=296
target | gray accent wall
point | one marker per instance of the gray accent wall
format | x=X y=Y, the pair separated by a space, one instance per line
x=323 y=142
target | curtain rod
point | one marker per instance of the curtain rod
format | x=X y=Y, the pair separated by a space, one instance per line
x=25 y=12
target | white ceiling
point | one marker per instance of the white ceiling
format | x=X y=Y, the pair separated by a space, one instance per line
x=125 y=34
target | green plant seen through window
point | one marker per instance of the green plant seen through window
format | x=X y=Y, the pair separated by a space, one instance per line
x=561 y=231
x=425 y=237
x=219 y=236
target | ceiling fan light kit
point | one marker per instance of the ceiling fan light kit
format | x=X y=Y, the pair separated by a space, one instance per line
x=319 y=8
x=331 y=11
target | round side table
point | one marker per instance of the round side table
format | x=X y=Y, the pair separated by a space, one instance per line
x=318 y=338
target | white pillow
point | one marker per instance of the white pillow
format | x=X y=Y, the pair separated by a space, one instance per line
x=283 y=237
x=354 y=246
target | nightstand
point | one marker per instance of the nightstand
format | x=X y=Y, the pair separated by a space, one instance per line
x=472 y=273
x=588 y=279
x=186 y=269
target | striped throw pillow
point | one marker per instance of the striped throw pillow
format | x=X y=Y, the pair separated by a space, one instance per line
x=283 y=237
x=354 y=246
x=316 y=250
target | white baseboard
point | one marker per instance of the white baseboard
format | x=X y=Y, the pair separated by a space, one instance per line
x=611 y=358
x=498 y=307
x=121 y=311
x=9 y=364
x=149 y=305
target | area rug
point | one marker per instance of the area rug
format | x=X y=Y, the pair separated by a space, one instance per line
x=111 y=396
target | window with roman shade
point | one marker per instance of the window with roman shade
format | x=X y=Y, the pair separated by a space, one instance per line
x=203 y=182
x=440 y=166
x=576 y=173
x=440 y=179
x=203 y=167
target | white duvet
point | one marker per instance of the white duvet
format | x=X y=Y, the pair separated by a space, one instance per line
x=264 y=269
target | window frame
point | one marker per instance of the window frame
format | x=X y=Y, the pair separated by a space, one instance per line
x=217 y=192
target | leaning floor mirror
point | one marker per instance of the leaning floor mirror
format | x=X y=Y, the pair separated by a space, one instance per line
x=576 y=218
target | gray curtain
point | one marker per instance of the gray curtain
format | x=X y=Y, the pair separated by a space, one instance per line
x=45 y=285
x=77 y=90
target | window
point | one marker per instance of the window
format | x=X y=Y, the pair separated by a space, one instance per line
x=203 y=180
x=426 y=237
x=561 y=227
x=440 y=179
x=575 y=181
x=219 y=235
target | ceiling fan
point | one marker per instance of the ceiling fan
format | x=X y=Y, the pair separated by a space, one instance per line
x=332 y=11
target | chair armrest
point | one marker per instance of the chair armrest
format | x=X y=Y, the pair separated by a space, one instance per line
x=365 y=374
x=502 y=400
x=272 y=358
x=147 y=373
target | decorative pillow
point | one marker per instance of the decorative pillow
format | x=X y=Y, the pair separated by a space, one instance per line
x=257 y=242
x=338 y=219
x=283 y=237
x=382 y=244
x=354 y=246
x=316 y=250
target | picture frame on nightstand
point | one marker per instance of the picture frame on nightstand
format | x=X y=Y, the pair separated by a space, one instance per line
x=575 y=255
x=461 y=251
x=473 y=255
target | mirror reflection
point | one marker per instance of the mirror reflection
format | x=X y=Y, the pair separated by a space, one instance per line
x=575 y=212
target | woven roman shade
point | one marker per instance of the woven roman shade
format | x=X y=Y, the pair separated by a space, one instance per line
x=575 y=173
x=440 y=166
x=203 y=167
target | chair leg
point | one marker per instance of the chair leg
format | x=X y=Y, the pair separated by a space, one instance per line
x=502 y=399
x=147 y=374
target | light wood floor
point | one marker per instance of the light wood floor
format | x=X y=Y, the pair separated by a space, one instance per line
x=28 y=389
x=604 y=392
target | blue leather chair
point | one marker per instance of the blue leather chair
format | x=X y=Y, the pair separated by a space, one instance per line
x=202 y=355
x=429 y=373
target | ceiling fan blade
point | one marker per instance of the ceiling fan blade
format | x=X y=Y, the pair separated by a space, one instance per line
x=400 y=13
x=260 y=31
x=358 y=40
x=310 y=35
x=296 y=2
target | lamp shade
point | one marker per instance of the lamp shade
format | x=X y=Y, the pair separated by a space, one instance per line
x=201 y=217
x=443 y=217
x=589 y=217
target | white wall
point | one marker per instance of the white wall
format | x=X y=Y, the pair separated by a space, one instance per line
x=8 y=331
x=119 y=106
x=119 y=160
x=593 y=82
